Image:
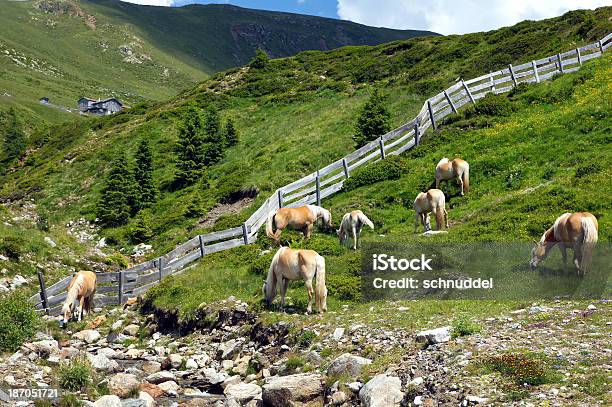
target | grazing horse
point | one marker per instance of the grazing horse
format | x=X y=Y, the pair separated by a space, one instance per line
x=82 y=289
x=301 y=218
x=292 y=264
x=431 y=201
x=574 y=230
x=458 y=169
x=353 y=222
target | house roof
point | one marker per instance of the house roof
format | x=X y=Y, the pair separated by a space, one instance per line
x=109 y=99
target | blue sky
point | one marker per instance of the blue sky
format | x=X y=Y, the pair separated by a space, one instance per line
x=441 y=16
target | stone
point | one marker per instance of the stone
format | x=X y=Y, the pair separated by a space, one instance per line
x=213 y=376
x=45 y=348
x=146 y=397
x=227 y=364
x=131 y=330
x=243 y=392
x=150 y=367
x=108 y=352
x=117 y=324
x=123 y=384
x=418 y=401
x=108 y=401
x=133 y=403
x=382 y=391
x=152 y=390
x=338 y=333
x=160 y=377
x=476 y=400
x=191 y=364
x=284 y=390
x=355 y=386
x=347 y=364
x=18 y=281
x=87 y=335
x=50 y=241
x=175 y=360
x=338 y=398
x=228 y=350
x=591 y=307
x=231 y=380
x=433 y=336
x=101 y=362
x=170 y=387
x=314 y=358
x=416 y=382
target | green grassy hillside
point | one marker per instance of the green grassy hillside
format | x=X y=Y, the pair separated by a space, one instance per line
x=64 y=49
x=297 y=115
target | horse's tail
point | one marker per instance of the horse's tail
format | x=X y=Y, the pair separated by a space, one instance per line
x=320 y=290
x=269 y=288
x=589 y=238
x=366 y=221
x=270 y=224
x=465 y=177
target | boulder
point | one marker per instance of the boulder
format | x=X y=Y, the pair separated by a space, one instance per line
x=133 y=403
x=170 y=387
x=45 y=348
x=338 y=333
x=347 y=364
x=131 y=330
x=150 y=367
x=152 y=390
x=227 y=350
x=243 y=392
x=108 y=401
x=285 y=390
x=433 y=336
x=191 y=364
x=175 y=360
x=382 y=391
x=101 y=362
x=147 y=398
x=123 y=384
x=87 y=335
x=160 y=377
x=339 y=398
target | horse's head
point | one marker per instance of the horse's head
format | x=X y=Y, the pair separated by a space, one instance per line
x=538 y=253
x=342 y=236
x=67 y=313
x=326 y=216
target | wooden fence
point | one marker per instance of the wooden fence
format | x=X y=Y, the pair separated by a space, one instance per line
x=114 y=288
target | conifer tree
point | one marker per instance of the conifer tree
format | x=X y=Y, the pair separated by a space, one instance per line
x=114 y=207
x=14 y=138
x=215 y=142
x=146 y=192
x=190 y=148
x=231 y=136
x=374 y=120
x=261 y=59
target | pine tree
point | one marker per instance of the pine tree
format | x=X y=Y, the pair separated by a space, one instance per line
x=190 y=148
x=146 y=192
x=14 y=138
x=261 y=59
x=114 y=205
x=231 y=136
x=215 y=142
x=374 y=120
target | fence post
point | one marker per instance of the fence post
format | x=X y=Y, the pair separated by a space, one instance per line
x=512 y=74
x=202 y=251
x=120 y=287
x=467 y=90
x=43 y=292
x=492 y=82
x=535 y=71
x=417 y=131
x=382 y=147
x=431 y=115
x=600 y=45
x=579 y=56
x=160 y=264
x=450 y=102
x=560 y=63
x=318 y=188
x=346 y=168
x=280 y=198
x=245 y=233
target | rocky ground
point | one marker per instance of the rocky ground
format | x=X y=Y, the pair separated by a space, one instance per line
x=231 y=358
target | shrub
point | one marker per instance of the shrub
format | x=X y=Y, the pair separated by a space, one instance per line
x=494 y=105
x=117 y=259
x=18 y=321
x=141 y=229
x=262 y=264
x=514 y=178
x=293 y=363
x=374 y=120
x=75 y=374
x=588 y=168
x=261 y=59
x=521 y=368
x=463 y=325
x=306 y=339
x=390 y=168
x=12 y=247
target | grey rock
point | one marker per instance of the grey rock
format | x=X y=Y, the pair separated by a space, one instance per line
x=284 y=390
x=382 y=391
x=122 y=384
x=243 y=392
x=87 y=335
x=433 y=336
x=347 y=364
x=133 y=403
x=160 y=377
x=108 y=401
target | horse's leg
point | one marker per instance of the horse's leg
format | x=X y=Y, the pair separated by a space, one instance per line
x=81 y=303
x=284 y=285
x=308 y=230
x=310 y=294
x=426 y=222
x=417 y=218
x=578 y=258
x=354 y=237
x=446 y=217
x=460 y=182
x=437 y=183
x=564 y=256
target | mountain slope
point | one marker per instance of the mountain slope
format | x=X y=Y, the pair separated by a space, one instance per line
x=64 y=49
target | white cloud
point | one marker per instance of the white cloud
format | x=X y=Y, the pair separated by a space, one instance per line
x=455 y=17
x=163 y=3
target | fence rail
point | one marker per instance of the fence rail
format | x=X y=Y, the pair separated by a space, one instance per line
x=115 y=288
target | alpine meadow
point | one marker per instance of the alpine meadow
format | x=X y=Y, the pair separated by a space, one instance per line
x=224 y=106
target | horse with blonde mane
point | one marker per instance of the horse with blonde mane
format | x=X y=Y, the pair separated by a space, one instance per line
x=81 y=289
x=432 y=201
x=292 y=264
x=571 y=230
x=458 y=169
x=301 y=218
x=352 y=223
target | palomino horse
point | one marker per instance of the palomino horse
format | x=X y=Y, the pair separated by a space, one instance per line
x=82 y=289
x=431 y=201
x=301 y=218
x=353 y=222
x=575 y=230
x=291 y=264
x=458 y=169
